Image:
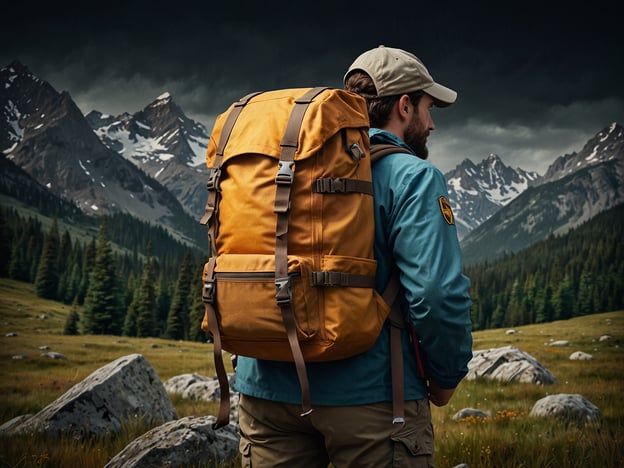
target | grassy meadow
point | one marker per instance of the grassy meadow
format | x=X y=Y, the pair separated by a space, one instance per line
x=508 y=438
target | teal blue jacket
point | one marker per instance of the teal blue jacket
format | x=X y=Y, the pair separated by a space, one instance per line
x=411 y=231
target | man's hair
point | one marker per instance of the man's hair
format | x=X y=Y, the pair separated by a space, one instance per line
x=379 y=108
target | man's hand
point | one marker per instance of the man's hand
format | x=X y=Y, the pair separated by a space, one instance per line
x=439 y=396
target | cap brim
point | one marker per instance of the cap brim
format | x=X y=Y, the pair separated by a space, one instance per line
x=442 y=95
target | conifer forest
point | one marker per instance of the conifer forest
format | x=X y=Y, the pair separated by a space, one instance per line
x=134 y=279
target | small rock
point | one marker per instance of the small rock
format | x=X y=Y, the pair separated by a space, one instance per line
x=470 y=413
x=53 y=355
x=580 y=356
x=559 y=343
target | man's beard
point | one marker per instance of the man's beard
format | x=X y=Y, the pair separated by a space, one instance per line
x=416 y=138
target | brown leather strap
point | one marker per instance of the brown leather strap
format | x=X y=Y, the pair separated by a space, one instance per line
x=397 y=323
x=284 y=180
x=210 y=217
x=379 y=150
x=214 y=173
x=213 y=325
x=396 y=357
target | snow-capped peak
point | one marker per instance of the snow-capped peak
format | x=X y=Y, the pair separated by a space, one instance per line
x=164 y=98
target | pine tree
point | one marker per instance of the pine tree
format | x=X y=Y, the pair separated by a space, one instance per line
x=543 y=303
x=585 y=303
x=102 y=309
x=178 y=319
x=47 y=279
x=197 y=309
x=563 y=300
x=146 y=298
x=5 y=244
x=130 y=321
x=71 y=324
x=87 y=268
x=163 y=303
x=63 y=265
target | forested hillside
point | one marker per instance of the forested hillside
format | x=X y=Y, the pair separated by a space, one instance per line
x=579 y=273
x=134 y=279
x=131 y=278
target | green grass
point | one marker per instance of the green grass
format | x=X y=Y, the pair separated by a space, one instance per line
x=509 y=438
x=512 y=438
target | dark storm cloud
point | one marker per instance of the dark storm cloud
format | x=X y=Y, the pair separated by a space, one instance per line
x=534 y=81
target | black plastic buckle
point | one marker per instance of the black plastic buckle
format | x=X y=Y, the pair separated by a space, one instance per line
x=326 y=278
x=283 y=291
x=328 y=185
x=208 y=292
x=285 y=173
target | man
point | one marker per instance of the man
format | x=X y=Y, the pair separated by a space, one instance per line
x=352 y=423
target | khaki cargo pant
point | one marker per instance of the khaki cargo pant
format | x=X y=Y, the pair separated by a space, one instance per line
x=275 y=435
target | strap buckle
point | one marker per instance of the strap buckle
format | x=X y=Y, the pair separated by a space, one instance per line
x=356 y=152
x=285 y=174
x=329 y=185
x=327 y=278
x=214 y=173
x=283 y=291
x=208 y=291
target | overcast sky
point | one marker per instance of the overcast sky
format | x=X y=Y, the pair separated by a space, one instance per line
x=534 y=81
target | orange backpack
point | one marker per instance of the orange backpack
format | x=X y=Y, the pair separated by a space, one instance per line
x=291 y=229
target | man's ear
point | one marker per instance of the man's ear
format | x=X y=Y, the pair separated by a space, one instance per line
x=404 y=107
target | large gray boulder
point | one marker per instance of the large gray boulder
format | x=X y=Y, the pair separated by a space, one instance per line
x=569 y=407
x=508 y=364
x=189 y=441
x=125 y=388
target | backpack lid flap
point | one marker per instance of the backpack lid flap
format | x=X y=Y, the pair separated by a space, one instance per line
x=261 y=124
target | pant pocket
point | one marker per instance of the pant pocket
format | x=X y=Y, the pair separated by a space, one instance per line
x=244 y=448
x=413 y=443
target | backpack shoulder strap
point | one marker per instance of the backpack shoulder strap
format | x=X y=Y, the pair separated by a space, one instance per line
x=390 y=296
x=379 y=150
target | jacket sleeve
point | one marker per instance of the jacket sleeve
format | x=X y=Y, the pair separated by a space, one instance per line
x=427 y=253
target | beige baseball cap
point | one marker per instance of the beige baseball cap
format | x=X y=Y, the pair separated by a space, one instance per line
x=395 y=71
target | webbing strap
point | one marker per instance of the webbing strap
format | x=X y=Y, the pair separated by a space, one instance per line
x=397 y=323
x=339 y=278
x=224 y=385
x=342 y=185
x=210 y=217
x=214 y=172
x=390 y=296
x=379 y=150
x=284 y=180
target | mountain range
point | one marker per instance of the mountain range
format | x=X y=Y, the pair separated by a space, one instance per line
x=44 y=133
x=575 y=188
x=163 y=142
x=151 y=164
